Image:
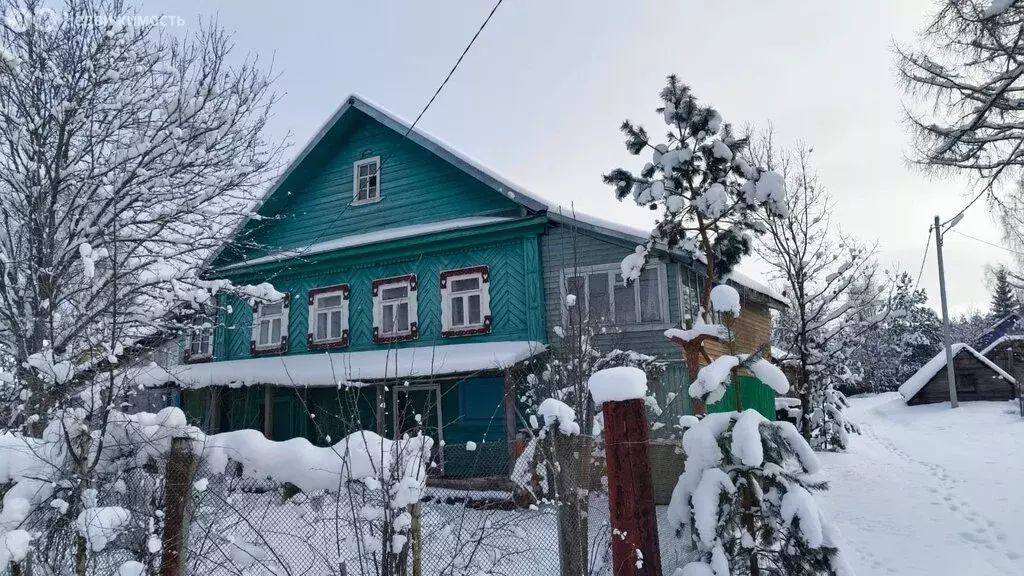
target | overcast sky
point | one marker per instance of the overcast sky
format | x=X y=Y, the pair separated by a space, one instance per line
x=541 y=95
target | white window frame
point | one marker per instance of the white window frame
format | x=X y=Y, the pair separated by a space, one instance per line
x=614 y=271
x=682 y=286
x=379 y=286
x=482 y=274
x=200 y=325
x=258 y=317
x=315 y=295
x=355 y=181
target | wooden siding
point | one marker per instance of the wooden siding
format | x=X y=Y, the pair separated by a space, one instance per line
x=566 y=248
x=1009 y=356
x=753 y=329
x=515 y=296
x=990 y=386
x=416 y=187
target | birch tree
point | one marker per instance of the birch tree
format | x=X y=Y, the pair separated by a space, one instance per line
x=828 y=279
x=128 y=154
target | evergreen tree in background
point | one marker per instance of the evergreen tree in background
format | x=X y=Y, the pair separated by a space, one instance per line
x=1004 y=301
x=897 y=348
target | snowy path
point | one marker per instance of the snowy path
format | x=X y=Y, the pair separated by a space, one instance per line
x=927 y=490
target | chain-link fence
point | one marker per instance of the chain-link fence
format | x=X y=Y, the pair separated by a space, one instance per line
x=460 y=525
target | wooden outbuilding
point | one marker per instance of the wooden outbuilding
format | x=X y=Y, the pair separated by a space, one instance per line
x=977 y=378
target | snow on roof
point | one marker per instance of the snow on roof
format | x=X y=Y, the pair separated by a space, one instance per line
x=915 y=383
x=503 y=185
x=371 y=238
x=353 y=368
x=1000 y=340
x=756 y=285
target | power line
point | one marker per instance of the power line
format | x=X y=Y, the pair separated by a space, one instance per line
x=924 y=258
x=457 y=62
x=408 y=131
x=992 y=244
x=969 y=204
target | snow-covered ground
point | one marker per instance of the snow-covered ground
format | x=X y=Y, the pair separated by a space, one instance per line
x=929 y=490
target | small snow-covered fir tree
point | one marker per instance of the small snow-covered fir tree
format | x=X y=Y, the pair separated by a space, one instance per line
x=827 y=425
x=745 y=500
x=744 y=496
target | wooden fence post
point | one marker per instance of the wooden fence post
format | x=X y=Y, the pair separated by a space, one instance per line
x=635 y=549
x=572 y=454
x=177 y=493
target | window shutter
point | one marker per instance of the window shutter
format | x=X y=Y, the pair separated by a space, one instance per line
x=485 y=300
x=255 y=327
x=413 y=315
x=284 y=324
x=376 y=312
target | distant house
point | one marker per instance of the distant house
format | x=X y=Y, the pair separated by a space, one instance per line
x=418 y=287
x=977 y=378
x=1003 y=344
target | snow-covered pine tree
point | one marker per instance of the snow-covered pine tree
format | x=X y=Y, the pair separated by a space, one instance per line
x=708 y=194
x=745 y=500
x=745 y=492
x=1004 y=300
x=910 y=335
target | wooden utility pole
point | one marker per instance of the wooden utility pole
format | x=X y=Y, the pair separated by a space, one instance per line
x=635 y=549
x=177 y=493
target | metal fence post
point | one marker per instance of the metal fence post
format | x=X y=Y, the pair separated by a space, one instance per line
x=635 y=549
x=572 y=479
x=177 y=491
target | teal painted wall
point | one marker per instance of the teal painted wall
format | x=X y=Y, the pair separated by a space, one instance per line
x=415 y=187
x=515 y=295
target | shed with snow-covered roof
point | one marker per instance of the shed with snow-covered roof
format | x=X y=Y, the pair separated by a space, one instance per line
x=977 y=378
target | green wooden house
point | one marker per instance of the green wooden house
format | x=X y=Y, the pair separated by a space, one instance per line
x=418 y=285
x=413 y=295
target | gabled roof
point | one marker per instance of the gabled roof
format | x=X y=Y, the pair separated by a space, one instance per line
x=915 y=383
x=1009 y=324
x=1000 y=340
x=516 y=193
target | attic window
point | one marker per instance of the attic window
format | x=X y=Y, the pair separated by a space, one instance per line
x=366 y=181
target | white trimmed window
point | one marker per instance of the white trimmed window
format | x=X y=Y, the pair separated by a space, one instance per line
x=366 y=181
x=465 y=301
x=199 y=340
x=603 y=297
x=270 y=327
x=328 y=317
x=394 y=309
